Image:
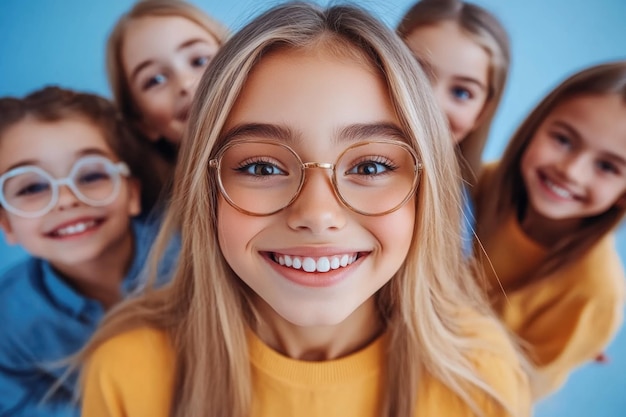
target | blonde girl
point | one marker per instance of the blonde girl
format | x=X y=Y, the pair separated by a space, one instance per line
x=156 y=53
x=465 y=50
x=545 y=215
x=318 y=273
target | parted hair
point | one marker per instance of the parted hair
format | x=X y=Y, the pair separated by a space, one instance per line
x=507 y=194
x=207 y=309
x=487 y=31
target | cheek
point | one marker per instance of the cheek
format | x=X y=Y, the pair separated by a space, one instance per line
x=24 y=232
x=235 y=231
x=154 y=108
x=394 y=231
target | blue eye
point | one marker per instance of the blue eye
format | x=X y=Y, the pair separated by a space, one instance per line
x=461 y=93
x=201 y=61
x=154 y=81
x=562 y=140
x=91 y=177
x=34 y=188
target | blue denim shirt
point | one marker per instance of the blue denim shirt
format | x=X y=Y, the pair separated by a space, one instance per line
x=43 y=320
x=469 y=223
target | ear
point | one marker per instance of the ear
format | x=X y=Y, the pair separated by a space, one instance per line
x=5 y=225
x=134 y=197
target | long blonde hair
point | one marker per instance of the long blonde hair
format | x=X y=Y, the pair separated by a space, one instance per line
x=115 y=70
x=484 y=29
x=507 y=193
x=205 y=310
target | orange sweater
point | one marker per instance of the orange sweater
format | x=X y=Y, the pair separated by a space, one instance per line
x=131 y=375
x=565 y=318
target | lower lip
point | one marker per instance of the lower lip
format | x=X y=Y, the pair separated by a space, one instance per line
x=314 y=279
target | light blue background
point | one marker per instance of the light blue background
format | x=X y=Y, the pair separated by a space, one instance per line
x=62 y=42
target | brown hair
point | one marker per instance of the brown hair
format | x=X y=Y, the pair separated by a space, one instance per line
x=485 y=29
x=507 y=193
x=51 y=104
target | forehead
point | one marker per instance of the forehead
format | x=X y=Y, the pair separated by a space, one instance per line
x=151 y=37
x=51 y=143
x=600 y=119
x=447 y=47
x=299 y=85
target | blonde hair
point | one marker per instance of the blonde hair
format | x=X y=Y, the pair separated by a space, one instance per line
x=484 y=29
x=206 y=310
x=507 y=193
x=145 y=8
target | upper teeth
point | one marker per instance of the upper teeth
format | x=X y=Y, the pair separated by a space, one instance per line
x=75 y=228
x=560 y=191
x=322 y=264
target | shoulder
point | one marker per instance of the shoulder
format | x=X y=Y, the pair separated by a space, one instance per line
x=599 y=273
x=22 y=293
x=142 y=350
x=132 y=372
x=500 y=364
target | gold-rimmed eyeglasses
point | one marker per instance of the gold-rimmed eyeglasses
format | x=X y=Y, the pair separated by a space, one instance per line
x=260 y=178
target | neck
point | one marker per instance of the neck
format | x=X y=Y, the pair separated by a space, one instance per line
x=544 y=231
x=320 y=343
x=101 y=278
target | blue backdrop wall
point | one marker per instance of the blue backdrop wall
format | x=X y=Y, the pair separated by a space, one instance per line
x=62 y=42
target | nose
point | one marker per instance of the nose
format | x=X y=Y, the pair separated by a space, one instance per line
x=67 y=199
x=317 y=208
x=187 y=81
x=575 y=168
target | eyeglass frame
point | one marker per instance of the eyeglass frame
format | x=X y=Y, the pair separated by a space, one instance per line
x=215 y=163
x=121 y=168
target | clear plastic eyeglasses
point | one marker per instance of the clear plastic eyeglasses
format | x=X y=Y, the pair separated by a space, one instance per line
x=260 y=178
x=29 y=191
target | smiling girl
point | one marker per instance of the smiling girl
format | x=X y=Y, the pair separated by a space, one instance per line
x=545 y=217
x=70 y=192
x=465 y=51
x=156 y=54
x=318 y=275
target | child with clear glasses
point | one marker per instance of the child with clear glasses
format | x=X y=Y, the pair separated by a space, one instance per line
x=156 y=53
x=70 y=189
x=318 y=274
x=546 y=213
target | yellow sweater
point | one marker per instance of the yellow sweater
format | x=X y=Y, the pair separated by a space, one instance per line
x=131 y=375
x=565 y=318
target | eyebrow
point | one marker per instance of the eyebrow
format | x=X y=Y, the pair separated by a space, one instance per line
x=572 y=131
x=81 y=153
x=432 y=71
x=352 y=133
x=149 y=62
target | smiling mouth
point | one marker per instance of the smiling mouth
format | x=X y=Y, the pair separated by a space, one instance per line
x=75 y=228
x=557 y=189
x=315 y=264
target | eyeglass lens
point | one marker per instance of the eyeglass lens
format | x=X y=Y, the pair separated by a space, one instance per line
x=371 y=178
x=32 y=189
